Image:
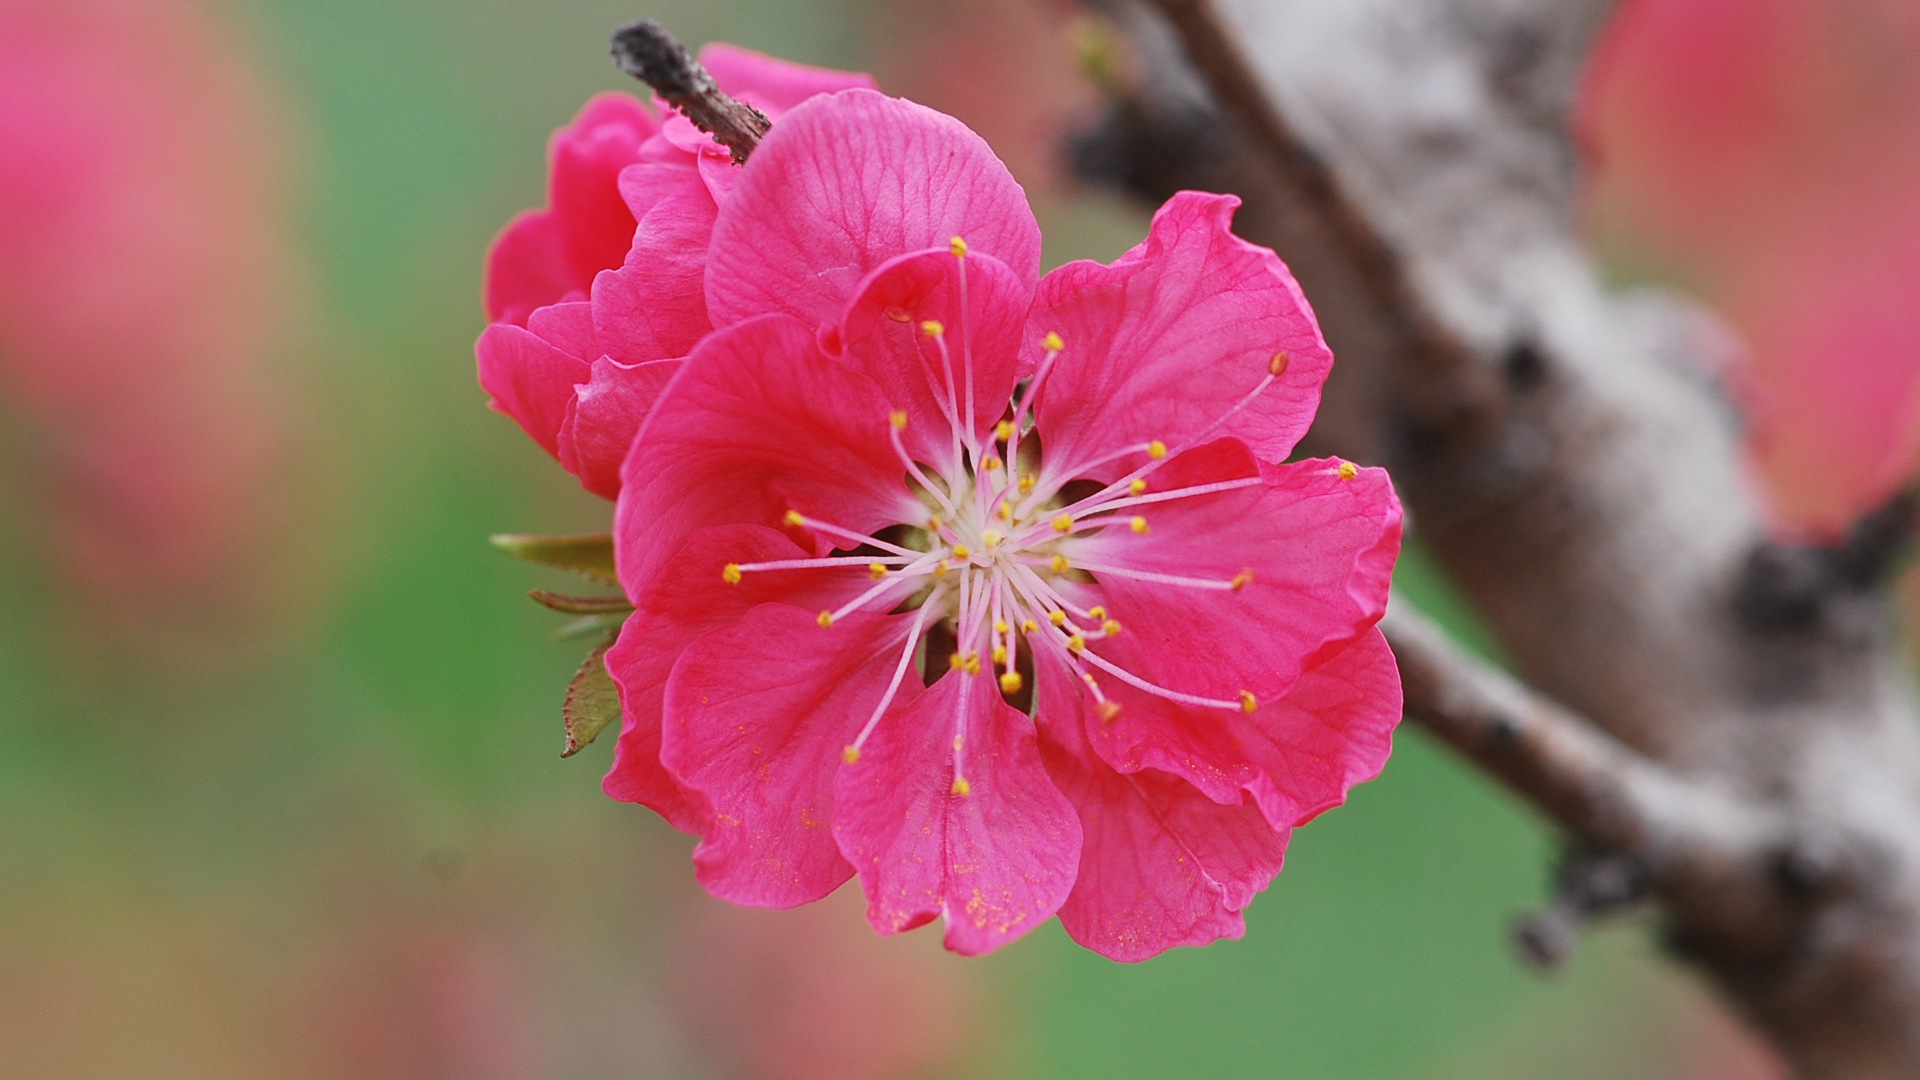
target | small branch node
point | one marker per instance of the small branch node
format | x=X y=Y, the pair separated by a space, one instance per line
x=1589 y=886
x=646 y=51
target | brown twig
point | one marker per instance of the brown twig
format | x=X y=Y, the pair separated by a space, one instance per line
x=1728 y=712
x=646 y=51
x=1606 y=795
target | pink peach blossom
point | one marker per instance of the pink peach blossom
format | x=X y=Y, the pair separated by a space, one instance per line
x=594 y=299
x=985 y=587
x=1767 y=154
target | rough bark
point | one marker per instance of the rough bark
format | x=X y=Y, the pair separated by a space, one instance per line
x=1719 y=721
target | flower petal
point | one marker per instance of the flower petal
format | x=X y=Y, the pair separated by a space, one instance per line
x=688 y=601
x=1161 y=865
x=1297 y=756
x=773 y=84
x=1167 y=339
x=1320 y=549
x=996 y=860
x=527 y=268
x=584 y=188
x=757 y=716
x=529 y=380
x=607 y=413
x=981 y=306
x=654 y=307
x=845 y=182
x=758 y=422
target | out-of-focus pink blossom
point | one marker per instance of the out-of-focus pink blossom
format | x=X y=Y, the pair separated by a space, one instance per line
x=1767 y=153
x=810 y=995
x=594 y=299
x=145 y=279
x=903 y=447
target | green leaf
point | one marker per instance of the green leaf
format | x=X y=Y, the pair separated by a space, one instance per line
x=587 y=626
x=593 y=701
x=588 y=556
x=581 y=605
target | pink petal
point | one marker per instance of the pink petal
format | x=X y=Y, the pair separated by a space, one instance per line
x=757 y=716
x=996 y=861
x=1171 y=336
x=527 y=268
x=584 y=188
x=845 y=182
x=1320 y=550
x=528 y=380
x=686 y=602
x=1297 y=756
x=655 y=306
x=774 y=84
x=1161 y=865
x=758 y=422
x=567 y=326
x=883 y=336
x=607 y=413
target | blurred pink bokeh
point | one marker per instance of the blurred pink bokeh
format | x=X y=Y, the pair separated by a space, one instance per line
x=148 y=291
x=1766 y=153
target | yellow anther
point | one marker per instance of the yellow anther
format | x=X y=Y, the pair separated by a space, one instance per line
x=1026 y=484
x=1138 y=525
x=991 y=538
x=1057 y=617
x=1137 y=487
x=1156 y=449
x=1010 y=682
x=1063 y=523
x=1112 y=627
x=1052 y=342
x=1076 y=643
x=825 y=619
x=933 y=522
x=1108 y=711
x=932 y=328
x=1060 y=565
x=960 y=786
x=850 y=755
x=940 y=568
x=973 y=663
x=956 y=661
x=1277 y=366
x=999 y=655
x=1005 y=513
x=794 y=519
x=958 y=246
x=1097 y=612
x=962 y=551
x=898 y=418
x=1242 y=579
x=1028 y=626
x=876 y=571
x=1347 y=470
x=1248 y=702
x=731 y=573
x=992 y=464
x=999 y=626
x=897 y=315
x=1003 y=430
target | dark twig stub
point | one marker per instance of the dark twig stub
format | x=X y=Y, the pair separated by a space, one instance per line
x=646 y=51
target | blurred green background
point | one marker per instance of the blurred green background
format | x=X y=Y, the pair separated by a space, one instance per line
x=293 y=806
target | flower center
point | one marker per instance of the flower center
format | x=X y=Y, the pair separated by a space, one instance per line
x=1002 y=564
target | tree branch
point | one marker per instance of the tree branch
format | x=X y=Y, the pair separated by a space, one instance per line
x=646 y=51
x=1603 y=793
x=1729 y=712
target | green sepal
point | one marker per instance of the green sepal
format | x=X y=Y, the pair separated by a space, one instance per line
x=588 y=556
x=593 y=702
x=581 y=605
